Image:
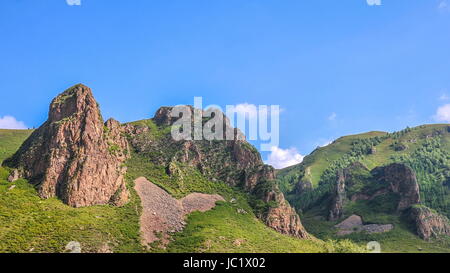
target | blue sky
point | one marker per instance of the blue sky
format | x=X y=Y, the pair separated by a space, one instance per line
x=335 y=67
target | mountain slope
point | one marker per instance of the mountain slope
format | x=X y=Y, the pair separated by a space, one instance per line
x=32 y=224
x=334 y=182
x=67 y=155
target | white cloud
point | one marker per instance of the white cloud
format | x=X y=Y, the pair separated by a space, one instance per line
x=9 y=122
x=443 y=5
x=332 y=117
x=374 y=2
x=443 y=113
x=282 y=158
x=73 y=2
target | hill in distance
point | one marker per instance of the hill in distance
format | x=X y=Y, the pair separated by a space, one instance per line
x=357 y=175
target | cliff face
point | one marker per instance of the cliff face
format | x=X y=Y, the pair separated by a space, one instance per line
x=234 y=162
x=402 y=180
x=74 y=155
x=283 y=218
x=428 y=223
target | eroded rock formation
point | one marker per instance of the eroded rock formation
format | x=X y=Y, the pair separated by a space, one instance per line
x=356 y=183
x=402 y=180
x=74 y=155
x=283 y=218
x=233 y=161
x=428 y=223
x=354 y=223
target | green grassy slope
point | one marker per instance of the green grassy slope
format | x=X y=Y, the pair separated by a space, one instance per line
x=10 y=141
x=224 y=229
x=32 y=224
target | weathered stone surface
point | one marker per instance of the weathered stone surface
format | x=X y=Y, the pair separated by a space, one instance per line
x=402 y=180
x=303 y=186
x=354 y=223
x=73 y=247
x=350 y=222
x=162 y=214
x=233 y=161
x=338 y=198
x=356 y=183
x=375 y=228
x=428 y=223
x=74 y=155
x=284 y=218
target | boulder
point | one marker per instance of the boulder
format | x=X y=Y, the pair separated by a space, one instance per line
x=14 y=176
x=354 y=223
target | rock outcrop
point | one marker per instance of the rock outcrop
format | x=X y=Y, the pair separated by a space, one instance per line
x=338 y=197
x=14 y=175
x=233 y=161
x=428 y=223
x=74 y=155
x=354 y=223
x=302 y=186
x=402 y=180
x=162 y=214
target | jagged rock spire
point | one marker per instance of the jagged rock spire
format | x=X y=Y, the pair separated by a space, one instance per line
x=74 y=155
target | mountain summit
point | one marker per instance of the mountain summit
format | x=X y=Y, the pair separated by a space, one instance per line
x=74 y=155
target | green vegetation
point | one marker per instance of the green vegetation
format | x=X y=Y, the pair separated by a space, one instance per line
x=182 y=181
x=426 y=149
x=432 y=166
x=31 y=224
x=400 y=240
x=10 y=141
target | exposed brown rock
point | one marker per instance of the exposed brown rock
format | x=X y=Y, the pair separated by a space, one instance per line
x=162 y=214
x=14 y=176
x=354 y=223
x=395 y=178
x=284 y=218
x=233 y=161
x=338 y=197
x=73 y=155
x=428 y=223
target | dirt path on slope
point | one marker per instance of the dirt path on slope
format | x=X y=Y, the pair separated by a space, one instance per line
x=163 y=214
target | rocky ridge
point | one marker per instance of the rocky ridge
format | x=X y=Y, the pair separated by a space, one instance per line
x=74 y=155
x=234 y=162
x=356 y=183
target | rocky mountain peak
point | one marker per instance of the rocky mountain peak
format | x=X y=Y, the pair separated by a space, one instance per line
x=74 y=155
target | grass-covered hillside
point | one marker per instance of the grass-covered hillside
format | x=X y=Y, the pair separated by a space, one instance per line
x=10 y=141
x=32 y=224
x=425 y=149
